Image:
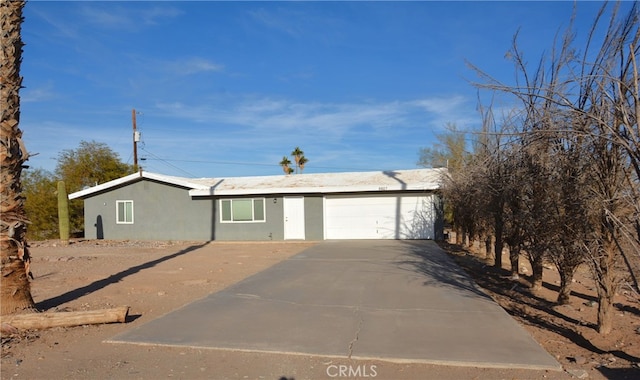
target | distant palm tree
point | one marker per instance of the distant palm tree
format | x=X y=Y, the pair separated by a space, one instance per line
x=301 y=162
x=15 y=289
x=297 y=154
x=285 y=165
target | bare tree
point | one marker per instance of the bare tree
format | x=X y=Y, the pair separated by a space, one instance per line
x=581 y=115
x=606 y=114
x=451 y=152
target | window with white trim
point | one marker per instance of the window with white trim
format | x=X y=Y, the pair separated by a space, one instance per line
x=124 y=212
x=242 y=210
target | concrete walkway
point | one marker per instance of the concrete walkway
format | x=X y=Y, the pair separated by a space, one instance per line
x=404 y=301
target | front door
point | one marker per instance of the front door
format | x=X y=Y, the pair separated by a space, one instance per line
x=293 y=218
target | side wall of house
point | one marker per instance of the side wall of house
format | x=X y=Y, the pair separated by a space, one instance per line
x=160 y=212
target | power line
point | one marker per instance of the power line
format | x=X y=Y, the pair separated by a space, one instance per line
x=221 y=162
x=167 y=163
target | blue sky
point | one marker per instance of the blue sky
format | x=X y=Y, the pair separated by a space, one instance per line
x=227 y=88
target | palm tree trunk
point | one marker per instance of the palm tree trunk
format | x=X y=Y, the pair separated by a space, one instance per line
x=15 y=292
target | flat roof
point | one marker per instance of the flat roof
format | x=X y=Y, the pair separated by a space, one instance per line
x=376 y=181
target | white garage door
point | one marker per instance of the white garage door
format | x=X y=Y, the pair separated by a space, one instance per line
x=379 y=217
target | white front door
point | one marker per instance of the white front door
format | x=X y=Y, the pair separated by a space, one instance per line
x=294 y=218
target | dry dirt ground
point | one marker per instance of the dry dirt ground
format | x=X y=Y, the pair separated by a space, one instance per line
x=154 y=278
x=568 y=332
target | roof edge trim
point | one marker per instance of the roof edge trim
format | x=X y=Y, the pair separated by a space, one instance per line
x=133 y=177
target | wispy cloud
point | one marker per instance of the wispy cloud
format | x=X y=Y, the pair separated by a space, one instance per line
x=300 y=23
x=332 y=120
x=114 y=17
x=194 y=65
x=157 y=14
x=60 y=26
x=120 y=17
x=37 y=94
x=159 y=68
x=280 y=21
x=445 y=110
x=440 y=104
x=81 y=19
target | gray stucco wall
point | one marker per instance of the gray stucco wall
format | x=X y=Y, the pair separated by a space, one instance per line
x=161 y=212
x=314 y=217
x=271 y=229
x=167 y=212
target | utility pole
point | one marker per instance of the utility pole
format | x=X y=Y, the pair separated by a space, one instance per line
x=136 y=138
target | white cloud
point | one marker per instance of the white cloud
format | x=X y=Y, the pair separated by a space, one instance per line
x=154 y=15
x=334 y=120
x=283 y=22
x=114 y=17
x=321 y=27
x=440 y=104
x=180 y=66
x=60 y=26
x=38 y=94
x=445 y=110
x=195 y=65
x=79 y=21
x=119 y=17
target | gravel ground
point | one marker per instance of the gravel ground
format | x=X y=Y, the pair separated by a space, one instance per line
x=156 y=277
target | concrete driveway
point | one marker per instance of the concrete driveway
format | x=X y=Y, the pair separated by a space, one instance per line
x=403 y=301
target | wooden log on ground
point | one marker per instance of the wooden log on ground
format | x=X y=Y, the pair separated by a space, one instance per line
x=38 y=321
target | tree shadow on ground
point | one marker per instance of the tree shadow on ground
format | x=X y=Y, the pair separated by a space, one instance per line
x=438 y=269
x=620 y=373
x=627 y=309
x=114 y=278
x=522 y=302
x=556 y=289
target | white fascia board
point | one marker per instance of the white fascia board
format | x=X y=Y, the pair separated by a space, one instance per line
x=104 y=186
x=174 y=181
x=135 y=176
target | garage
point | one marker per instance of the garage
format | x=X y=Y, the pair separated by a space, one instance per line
x=394 y=216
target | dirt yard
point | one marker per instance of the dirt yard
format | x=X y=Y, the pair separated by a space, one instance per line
x=568 y=332
x=154 y=278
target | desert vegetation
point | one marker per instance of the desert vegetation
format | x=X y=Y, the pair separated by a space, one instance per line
x=554 y=176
